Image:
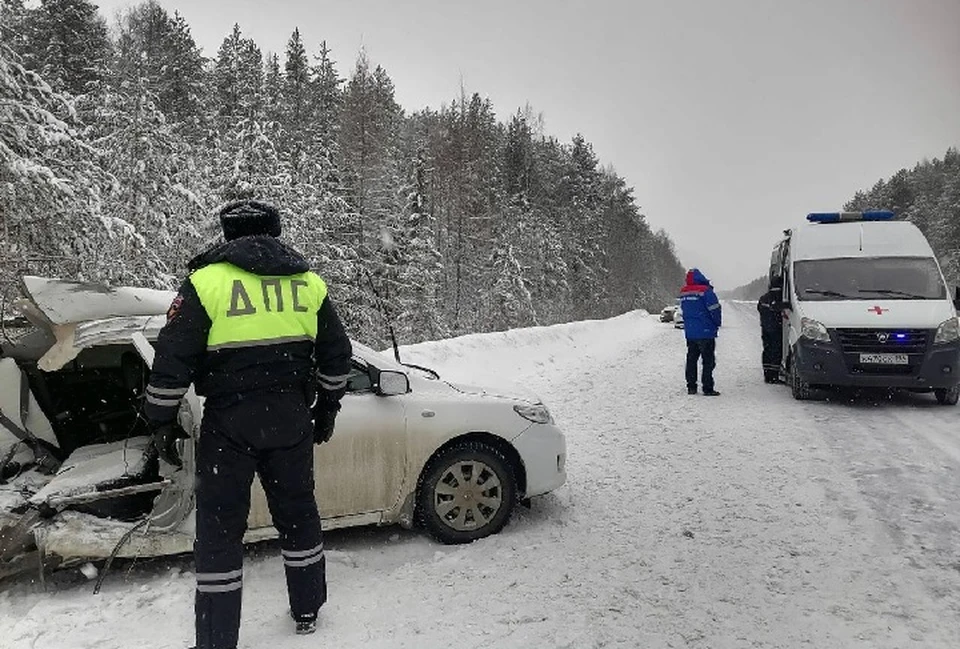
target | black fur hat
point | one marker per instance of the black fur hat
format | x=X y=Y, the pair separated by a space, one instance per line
x=247 y=218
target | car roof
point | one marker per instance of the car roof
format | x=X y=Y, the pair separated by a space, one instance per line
x=858 y=239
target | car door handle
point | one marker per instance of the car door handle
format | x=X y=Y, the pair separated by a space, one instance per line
x=428 y=414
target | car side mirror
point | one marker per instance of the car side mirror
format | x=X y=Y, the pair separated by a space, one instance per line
x=392 y=383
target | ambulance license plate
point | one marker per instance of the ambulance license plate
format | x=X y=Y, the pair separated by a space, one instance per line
x=884 y=359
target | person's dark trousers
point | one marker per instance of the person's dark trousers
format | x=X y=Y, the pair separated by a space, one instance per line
x=706 y=350
x=772 y=352
x=270 y=434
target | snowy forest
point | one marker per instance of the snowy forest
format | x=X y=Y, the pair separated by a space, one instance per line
x=928 y=195
x=119 y=139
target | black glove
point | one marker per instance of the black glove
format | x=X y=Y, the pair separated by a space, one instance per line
x=164 y=441
x=323 y=423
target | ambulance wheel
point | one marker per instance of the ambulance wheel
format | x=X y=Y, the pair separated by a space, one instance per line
x=467 y=492
x=798 y=387
x=948 y=396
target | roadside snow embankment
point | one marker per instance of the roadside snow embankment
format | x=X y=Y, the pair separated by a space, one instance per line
x=520 y=354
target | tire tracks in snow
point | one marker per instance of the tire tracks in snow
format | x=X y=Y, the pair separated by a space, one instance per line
x=749 y=520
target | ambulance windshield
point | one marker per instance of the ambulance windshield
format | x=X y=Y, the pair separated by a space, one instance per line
x=869 y=278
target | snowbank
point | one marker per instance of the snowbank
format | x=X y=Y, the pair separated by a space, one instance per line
x=519 y=354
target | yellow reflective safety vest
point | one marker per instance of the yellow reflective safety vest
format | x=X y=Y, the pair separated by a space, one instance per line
x=248 y=310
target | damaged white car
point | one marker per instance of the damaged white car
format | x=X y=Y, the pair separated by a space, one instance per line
x=78 y=480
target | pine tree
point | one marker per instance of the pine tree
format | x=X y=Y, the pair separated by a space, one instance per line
x=369 y=142
x=50 y=183
x=296 y=102
x=585 y=255
x=508 y=299
x=327 y=96
x=158 y=50
x=419 y=264
x=13 y=30
x=238 y=80
x=67 y=44
x=272 y=90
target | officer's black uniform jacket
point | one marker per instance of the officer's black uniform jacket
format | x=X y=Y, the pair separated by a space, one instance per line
x=771 y=317
x=226 y=375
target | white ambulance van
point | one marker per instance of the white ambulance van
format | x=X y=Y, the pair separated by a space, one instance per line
x=865 y=305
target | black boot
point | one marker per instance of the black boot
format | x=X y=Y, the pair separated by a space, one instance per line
x=306 y=626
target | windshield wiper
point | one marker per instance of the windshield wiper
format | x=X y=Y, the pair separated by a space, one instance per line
x=891 y=291
x=827 y=293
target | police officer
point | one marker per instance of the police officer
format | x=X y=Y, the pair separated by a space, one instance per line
x=256 y=333
x=771 y=333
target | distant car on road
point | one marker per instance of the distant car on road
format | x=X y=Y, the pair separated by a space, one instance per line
x=678 y=318
x=668 y=313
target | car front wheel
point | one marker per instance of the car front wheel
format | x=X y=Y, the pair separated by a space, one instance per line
x=948 y=397
x=800 y=389
x=467 y=492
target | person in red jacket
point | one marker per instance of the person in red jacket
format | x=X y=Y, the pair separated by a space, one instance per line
x=702 y=318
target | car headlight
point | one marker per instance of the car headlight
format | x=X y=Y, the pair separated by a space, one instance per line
x=538 y=414
x=813 y=330
x=948 y=332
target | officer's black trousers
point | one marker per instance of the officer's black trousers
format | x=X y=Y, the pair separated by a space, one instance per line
x=705 y=349
x=270 y=434
x=772 y=351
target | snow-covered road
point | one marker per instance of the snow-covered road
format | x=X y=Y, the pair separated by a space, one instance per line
x=749 y=520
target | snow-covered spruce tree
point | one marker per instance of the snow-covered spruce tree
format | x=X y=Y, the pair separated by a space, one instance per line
x=418 y=264
x=301 y=158
x=508 y=299
x=245 y=156
x=369 y=143
x=147 y=150
x=542 y=251
x=151 y=165
x=157 y=50
x=296 y=115
x=50 y=183
x=332 y=217
x=272 y=90
x=581 y=192
x=66 y=42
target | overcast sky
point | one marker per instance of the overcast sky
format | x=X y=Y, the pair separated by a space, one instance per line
x=731 y=119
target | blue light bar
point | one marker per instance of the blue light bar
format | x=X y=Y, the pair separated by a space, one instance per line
x=837 y=217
